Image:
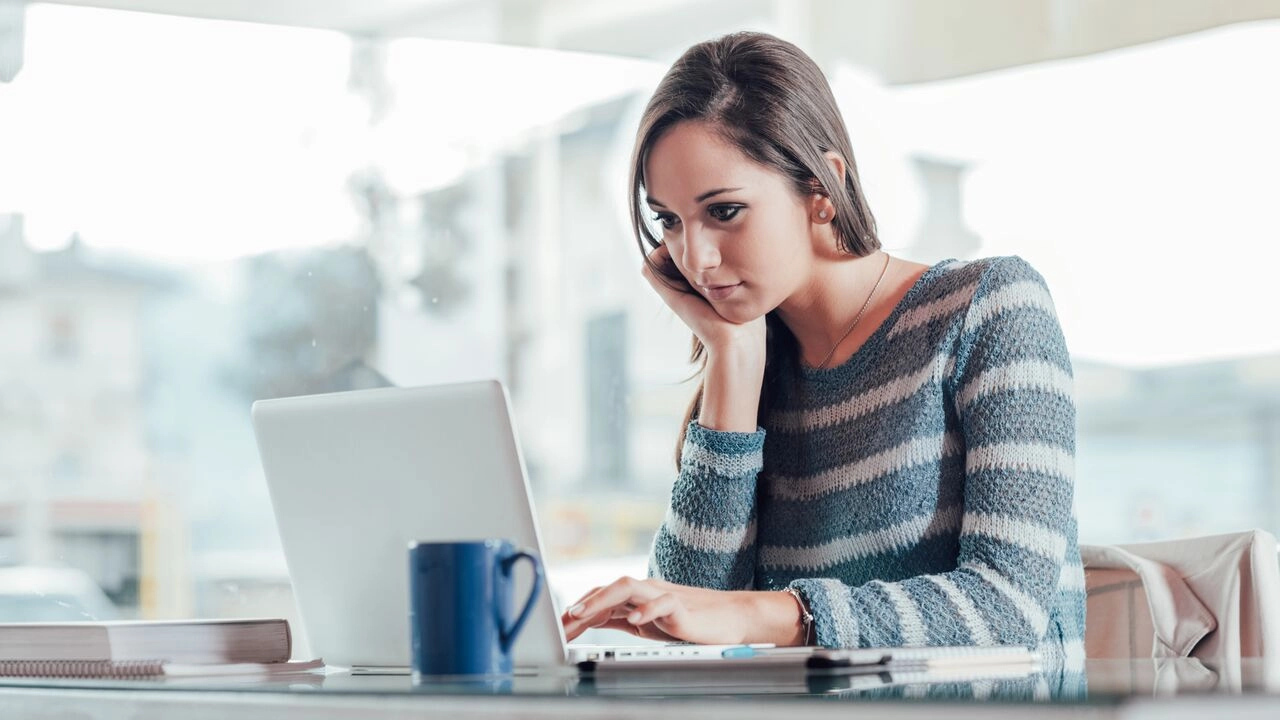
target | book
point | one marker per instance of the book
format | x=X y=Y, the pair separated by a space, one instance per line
x=149 y=669
x=185 y=642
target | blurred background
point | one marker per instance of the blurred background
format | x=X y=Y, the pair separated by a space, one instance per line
x=204 y=203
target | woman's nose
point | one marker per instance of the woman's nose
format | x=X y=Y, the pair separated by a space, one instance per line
x=700 y=253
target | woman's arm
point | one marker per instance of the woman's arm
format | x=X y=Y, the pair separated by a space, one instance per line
x=731 y=385
x=707 y=538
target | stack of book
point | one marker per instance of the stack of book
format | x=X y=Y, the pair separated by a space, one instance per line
x=145 y=649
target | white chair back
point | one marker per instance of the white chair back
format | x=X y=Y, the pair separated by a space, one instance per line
x=1209 y=597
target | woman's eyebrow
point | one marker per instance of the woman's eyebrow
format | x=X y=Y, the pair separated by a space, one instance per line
x=708 y=194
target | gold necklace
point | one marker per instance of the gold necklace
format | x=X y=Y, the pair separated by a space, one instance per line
x=865 y=305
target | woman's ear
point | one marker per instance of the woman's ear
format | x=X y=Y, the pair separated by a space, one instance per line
x=836 y=163
x=821 y=209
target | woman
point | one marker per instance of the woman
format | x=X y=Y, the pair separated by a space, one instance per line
x=880 y=453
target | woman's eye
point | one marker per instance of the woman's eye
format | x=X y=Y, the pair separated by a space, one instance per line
x=668 y=221
x=724 y=213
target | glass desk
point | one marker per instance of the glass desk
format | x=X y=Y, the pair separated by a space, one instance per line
x=1108 y=688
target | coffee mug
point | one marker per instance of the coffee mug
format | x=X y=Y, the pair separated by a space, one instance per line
x=460 y=600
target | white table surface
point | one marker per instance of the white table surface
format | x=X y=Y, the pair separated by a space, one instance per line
x=1116 y=688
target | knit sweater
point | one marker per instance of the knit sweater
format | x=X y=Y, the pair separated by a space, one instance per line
x=918 y=494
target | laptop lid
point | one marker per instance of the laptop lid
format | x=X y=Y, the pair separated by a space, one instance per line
x=354 y=476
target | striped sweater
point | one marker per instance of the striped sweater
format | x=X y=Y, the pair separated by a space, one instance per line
x=918 y=494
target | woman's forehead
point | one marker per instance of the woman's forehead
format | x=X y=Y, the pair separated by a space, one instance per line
x=690 y=159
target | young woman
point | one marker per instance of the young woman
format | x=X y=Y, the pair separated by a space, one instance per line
x=879 y=453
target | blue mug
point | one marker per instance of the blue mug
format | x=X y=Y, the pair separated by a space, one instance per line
x=460 y=600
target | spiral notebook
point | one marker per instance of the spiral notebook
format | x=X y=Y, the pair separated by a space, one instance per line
x=148 y=669
x=145 y=648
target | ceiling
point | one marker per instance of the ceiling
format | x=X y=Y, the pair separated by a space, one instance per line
x=901 y=41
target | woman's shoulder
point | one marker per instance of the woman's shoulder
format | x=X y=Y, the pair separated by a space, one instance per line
x=968 y=291
x=1010 y=313
x=954 y=291
x=965 y=282
x=986 y=271
x=1009 y=281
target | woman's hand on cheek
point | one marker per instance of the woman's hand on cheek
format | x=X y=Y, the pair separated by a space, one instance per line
x=696 y=311
x=660 y=610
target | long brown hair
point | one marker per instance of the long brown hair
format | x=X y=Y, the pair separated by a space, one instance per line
x=766 y=97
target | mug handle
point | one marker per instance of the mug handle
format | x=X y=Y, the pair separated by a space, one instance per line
x=508 y=635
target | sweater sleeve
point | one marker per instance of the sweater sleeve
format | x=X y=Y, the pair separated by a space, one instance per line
x=708 y=537
x=1012 y=390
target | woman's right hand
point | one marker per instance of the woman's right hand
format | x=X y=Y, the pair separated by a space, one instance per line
x=735 y=352
x=716 y=333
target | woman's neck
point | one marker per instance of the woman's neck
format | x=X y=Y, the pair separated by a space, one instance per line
x=821 y=314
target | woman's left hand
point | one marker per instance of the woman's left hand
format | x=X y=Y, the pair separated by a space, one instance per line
x=660 y=610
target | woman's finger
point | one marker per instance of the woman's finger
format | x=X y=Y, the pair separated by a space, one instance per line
x=597 y=608
x=573 y=627
x=565 y=616
x=618 y=593
x=687 y=304
x=648 y=632
x=585 y=595
x=660 y=607
x=663 y=274
x=660 y=257
x=660 y=281
x=653 y=632
x=612 y=619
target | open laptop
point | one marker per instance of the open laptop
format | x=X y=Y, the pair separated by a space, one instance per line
x=354 y=476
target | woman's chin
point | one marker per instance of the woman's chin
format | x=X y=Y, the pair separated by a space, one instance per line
x=737 y=313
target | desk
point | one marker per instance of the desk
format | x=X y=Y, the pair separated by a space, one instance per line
x=1110 y=688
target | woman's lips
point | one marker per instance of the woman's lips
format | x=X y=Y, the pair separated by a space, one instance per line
x=720 y=292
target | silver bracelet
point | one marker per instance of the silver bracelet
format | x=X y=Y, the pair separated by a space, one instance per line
x=806 y=617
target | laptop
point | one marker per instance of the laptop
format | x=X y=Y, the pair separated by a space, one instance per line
x=354 y=476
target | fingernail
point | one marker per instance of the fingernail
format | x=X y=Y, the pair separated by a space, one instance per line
x=576 y=610
x=634 y=617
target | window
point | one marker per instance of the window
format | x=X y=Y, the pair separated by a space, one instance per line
x=314 y=213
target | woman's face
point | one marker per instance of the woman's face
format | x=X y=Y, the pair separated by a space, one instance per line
x=736 y=230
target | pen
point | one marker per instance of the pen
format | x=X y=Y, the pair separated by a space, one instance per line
x=748 y=651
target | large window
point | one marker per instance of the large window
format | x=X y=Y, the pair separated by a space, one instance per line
x=185 y=228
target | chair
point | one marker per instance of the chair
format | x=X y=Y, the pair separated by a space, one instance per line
x=1213 y=598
